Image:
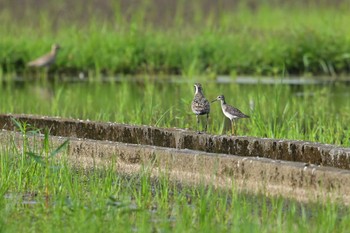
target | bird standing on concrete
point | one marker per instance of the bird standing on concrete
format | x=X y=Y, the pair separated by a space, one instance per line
x=230 y=112
x=200 y=105
x=47 y=59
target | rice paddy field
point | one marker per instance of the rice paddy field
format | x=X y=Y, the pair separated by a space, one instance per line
x=195 y=40
x=47 y=195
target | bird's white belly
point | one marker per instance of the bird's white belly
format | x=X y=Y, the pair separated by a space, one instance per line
x=228 y=115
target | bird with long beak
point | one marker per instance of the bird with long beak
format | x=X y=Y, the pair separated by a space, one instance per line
x=47 y=59
x=230 y=112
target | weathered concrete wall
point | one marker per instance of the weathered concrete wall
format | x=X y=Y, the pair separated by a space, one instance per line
x=288 y=150
x=251 y=174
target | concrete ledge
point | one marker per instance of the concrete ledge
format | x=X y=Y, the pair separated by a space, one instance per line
x=288 y=150
x=251 y=174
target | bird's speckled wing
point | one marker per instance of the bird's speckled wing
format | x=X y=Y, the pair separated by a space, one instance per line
x=235 y=111
x=200 y=105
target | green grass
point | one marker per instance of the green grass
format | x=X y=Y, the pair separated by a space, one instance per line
x=317 y=113
x=55 y=197
x=269 y=40
x=265 y=41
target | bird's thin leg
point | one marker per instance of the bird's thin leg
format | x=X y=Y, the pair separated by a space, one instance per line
x=232 y=125
x=197 y=123
x=206 y=125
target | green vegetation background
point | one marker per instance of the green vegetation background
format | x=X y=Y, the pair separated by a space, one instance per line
x=179 y=37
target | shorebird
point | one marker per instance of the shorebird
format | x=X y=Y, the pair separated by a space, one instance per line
x=200 y=105
x=47 y=59
x=230 y=112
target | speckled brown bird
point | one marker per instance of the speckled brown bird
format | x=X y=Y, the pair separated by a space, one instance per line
x=200 y=105
x=230 y=112
x=47 y=59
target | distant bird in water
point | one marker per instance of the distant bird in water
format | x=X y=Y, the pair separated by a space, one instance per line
x=47 y=59
x=200 y=105
x=230 y=112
